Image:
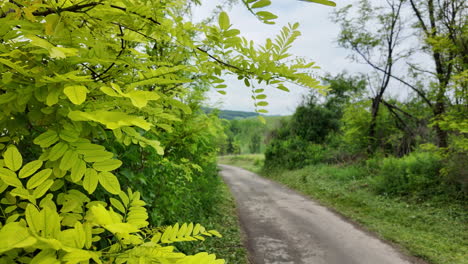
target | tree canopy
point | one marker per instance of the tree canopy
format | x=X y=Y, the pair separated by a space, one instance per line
x=78 y=74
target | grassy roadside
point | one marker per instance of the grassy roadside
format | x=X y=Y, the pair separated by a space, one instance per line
x=229 y=247
x=433 y=230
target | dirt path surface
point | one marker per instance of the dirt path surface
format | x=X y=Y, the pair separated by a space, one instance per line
x=284 y=227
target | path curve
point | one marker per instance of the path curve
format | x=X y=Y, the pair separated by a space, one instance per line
x=284 y=227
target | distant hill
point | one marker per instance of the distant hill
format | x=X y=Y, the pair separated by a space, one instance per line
x=230 y=114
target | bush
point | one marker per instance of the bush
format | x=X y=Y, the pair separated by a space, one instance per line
x=414 y=174
x=292 y=153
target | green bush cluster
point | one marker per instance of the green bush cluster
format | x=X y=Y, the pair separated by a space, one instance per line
x=292 y=153
x=416 y=173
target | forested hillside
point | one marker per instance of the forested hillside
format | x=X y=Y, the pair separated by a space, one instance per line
x=106 y=155
x=230 y=114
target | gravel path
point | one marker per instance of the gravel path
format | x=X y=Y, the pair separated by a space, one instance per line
x=284 y=227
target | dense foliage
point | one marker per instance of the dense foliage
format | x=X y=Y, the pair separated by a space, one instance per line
x=98 y=96
x=422 y=137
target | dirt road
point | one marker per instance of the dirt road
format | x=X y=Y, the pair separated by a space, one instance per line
x=284 y=227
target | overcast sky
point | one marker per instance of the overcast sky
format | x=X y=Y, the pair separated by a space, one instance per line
x=317 y=43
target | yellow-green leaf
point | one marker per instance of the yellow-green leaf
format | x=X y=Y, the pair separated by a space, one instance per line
x=9 y=177
x=68 y=160
x=46 y=139
x=101 y=215
x=110 y=182
x=124 y=228
x=223 y=21
x=46 y=256
x=90 y=180
x=12 y=158
x=43 y=188
x=140 y=98
x=109 y=91
x=261 y=3
x=118 y=205
x=35 y=219
x=30 y=168
x=57 y=151
x=76 y=93
x=97 y=155
x=69 y=135
x=323 y=2
x=15 y=235
x=112 y=120
x=108 y=165
x=78 y=170
x=38 y=178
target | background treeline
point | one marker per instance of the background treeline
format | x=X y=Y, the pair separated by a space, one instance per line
x=247 y=135
x=415 y=143
x=335 y=130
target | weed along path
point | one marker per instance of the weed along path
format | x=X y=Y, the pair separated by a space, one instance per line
x=283 y=227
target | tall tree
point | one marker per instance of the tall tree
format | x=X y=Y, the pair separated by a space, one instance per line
x=374 y=36
x=442 y=30
x=443 y=26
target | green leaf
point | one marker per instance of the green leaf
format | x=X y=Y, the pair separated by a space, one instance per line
x=69 y=135
x=76 y=93
x=68 y=160
x=110 y=182
x=140 y=98
x=97 y=155
x=108 y=165
x=9 y=177
x=34 y=218
x=262 y=103
x=30 y=168
x=46 y=256
x=111 y=120
x=118 y=205
x=38 y=178
x=282 y=87
x=43 y=188
x=78 y=170
x=57 y=151
x=109 y=91
x=260 y=4
x=323 y=2
x=15 y=235
x=123 y=228
x=90 y=180
x=223 y=21
x=12 y=158
x=46 y=139
x=266 y=15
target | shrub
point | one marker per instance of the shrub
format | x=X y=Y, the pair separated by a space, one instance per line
x=416 y=173
x=292 y=153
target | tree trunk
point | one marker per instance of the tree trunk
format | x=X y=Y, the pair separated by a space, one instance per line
x=373 y=124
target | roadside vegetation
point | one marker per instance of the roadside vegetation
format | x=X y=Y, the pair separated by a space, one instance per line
x=396 y=165
x=433 y=229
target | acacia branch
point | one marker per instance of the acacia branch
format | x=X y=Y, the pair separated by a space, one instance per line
x=79 y=8
x=219 y=61
x=122 y=48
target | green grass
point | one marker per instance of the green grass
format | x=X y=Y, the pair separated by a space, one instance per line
x=251 y=162
x=230 y=246
x=434 y=230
